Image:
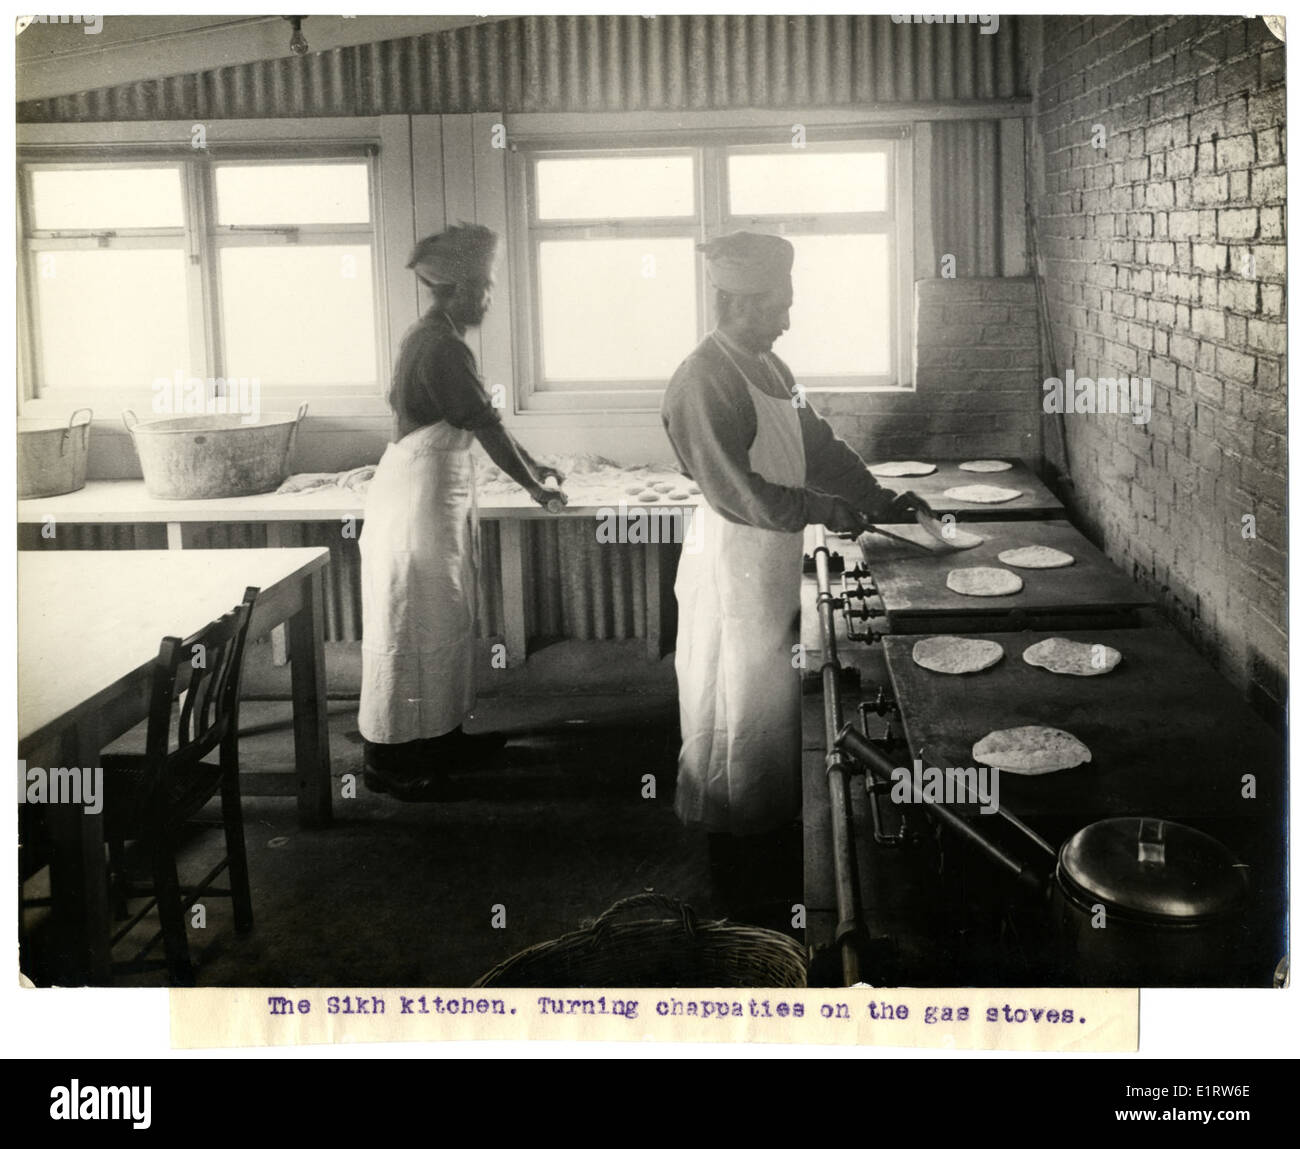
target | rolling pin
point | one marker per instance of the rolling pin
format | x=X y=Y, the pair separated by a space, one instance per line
x=554 y=505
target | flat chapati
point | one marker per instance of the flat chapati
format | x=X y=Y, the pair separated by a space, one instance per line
x=982 y=493
x=985 y=466
x=1065 y=656
x=984 y=582
x=1031 y=750
x=948 y=654
x=898 y=470
x=1035 y=558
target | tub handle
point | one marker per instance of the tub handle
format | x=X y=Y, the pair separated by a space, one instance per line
x=66 y=437
x=129 y=419
x=293 y=434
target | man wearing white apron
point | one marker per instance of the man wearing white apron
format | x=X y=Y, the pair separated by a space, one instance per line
x=768 y=465
x=419 y=544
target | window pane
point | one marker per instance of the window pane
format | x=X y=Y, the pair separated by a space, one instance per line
x=110 y=318
x=270 y=194
x=616 y=309
x=807 y=183
x=842 y=321
x=616 y=187
x=106 y=198
x=298 y=314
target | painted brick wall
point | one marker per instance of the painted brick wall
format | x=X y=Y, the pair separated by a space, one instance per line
x=1164 y=256
x=978 y=379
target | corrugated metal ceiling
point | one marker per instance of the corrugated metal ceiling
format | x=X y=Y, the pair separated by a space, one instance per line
x=589 y=63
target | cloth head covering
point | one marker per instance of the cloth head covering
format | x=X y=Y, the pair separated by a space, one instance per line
x=748 y=262
x=456 y=255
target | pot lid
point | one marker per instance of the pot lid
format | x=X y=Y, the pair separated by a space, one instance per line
x=1154 y=867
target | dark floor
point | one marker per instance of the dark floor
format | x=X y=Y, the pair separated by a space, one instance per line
x=397 y=894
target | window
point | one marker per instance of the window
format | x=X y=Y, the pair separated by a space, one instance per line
x=248 y=268
x=615 y=293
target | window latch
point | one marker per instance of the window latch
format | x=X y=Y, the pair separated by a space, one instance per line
x=290 y=233
x=100 y=237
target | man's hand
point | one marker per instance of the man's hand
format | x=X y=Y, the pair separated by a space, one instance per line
x=904 y=508
x=543 y=473
x=542 y=495
x=914 y=504
x=844 y=520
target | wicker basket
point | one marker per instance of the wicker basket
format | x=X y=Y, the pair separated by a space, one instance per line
x=655 y=942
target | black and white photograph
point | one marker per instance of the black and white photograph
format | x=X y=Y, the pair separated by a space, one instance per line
x=750 y=501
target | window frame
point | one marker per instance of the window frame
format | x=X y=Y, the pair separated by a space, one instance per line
x=527 y=325
x=711 y=146
x=383 y=142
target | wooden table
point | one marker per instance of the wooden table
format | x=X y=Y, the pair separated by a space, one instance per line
x=913 y=583
x=90 y=623
x=125 y=501
x=1036 y=501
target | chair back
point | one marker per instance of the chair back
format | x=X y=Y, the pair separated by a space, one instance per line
x=206 y=668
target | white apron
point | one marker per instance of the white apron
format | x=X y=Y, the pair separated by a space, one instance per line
x=419 y=587
x=738 y=619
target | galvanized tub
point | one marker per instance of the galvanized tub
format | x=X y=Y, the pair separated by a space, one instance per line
x=52 y=455
x=214 y=456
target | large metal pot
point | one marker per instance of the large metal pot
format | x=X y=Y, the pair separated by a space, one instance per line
x=1172 y=899
x=1146 y=902
x=214 y=456
x=52 y=455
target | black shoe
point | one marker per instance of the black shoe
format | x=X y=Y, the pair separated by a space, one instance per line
x=471 y=748
x=406 y=771
x=408 y=787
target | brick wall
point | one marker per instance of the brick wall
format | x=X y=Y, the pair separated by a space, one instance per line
x=1164 y=256
x=978 y=379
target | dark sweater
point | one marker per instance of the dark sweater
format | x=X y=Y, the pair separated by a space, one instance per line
x=437 y=379
x=709 y=416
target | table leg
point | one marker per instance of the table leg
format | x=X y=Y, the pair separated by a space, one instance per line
x=78 y=872
x=657 y=590
x=311 y=736
x=175 y=536
x=512 y=590
x=275 y=537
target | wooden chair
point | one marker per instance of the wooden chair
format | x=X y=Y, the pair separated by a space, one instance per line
x=149 y=799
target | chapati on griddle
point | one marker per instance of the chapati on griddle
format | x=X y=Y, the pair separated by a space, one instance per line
x=1065 y=656
x=985 y=466
x=948 y=654
x=1035 y=558
x=984 y=582
x=982 y=493
x=898 y=470
x=948 y=533
x=1031 y=750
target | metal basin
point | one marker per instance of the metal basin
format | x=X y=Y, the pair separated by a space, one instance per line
x=52 y=455
x=214 y=456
